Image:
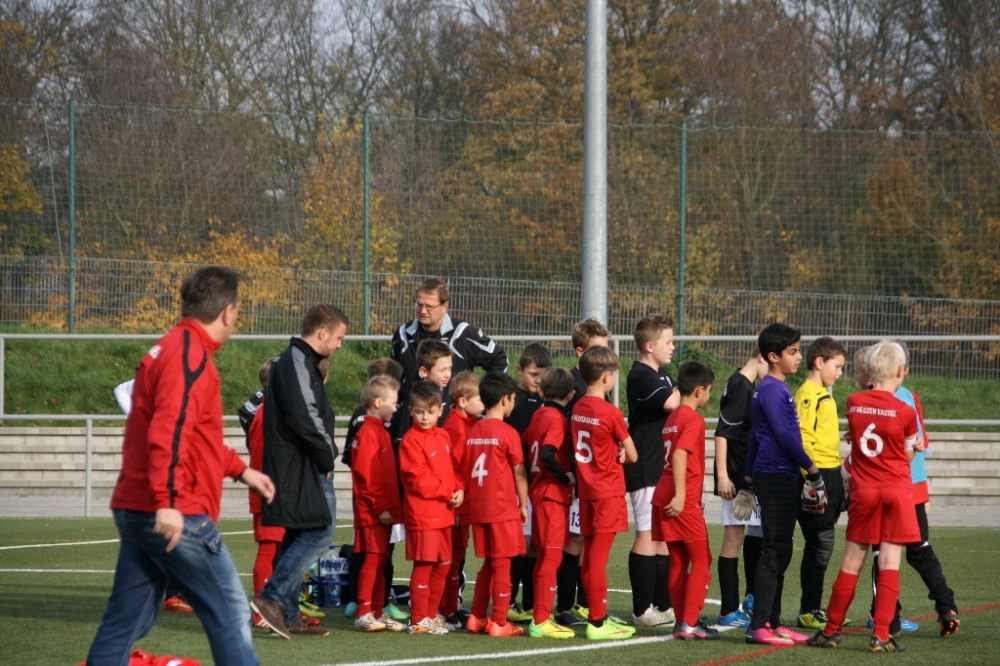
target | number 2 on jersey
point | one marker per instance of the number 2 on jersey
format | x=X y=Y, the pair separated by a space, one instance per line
x=479 y=469
x=584 y=453
x=534 y=458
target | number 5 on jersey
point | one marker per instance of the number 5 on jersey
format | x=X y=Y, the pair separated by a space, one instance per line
x=479 y=469
x=584 y=453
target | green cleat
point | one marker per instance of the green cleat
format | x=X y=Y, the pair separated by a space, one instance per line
x=609 y=631
x=550 y=629
x=396 y=613
x=517 y=614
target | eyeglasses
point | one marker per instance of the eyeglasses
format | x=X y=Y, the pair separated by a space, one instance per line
x=429 y=308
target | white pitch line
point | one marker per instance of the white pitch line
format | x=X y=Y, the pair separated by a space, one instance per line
x=87 y=543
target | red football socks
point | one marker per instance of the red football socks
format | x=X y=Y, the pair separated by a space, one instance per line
x=596 y=550
x=420 y=591
x=263 y=566
x=546 y=571
x=501 y=588
x=843 y=594
x=449 y=600
x=439 y=576
x=886 y=595
x=688 y=588
x=371 y=583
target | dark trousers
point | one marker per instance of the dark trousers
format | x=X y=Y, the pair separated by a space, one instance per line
x=779 y=498
x=819 y=531
x=923 y=559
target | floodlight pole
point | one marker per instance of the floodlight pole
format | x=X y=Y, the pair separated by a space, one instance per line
x=595 y=163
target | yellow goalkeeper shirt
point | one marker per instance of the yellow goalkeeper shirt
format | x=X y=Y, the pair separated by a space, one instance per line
x=818 y=423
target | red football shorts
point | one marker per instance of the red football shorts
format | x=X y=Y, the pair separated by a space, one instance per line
x=882 y=515
x=428 y=545
x=460 y=537
x=372 y=539
x=266 y=532
x=689 y=526
x=549 y=524
x=600 y=516
x=504 y=539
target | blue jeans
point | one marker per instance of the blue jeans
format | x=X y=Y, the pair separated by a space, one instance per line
x=199 y=565
x=299 y=550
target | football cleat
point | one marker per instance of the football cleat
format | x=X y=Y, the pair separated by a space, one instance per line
x=351 y=609
x=177 y=605
x=821 y=640
x=577 y=615
x=767 y=636
x=877 y=645
x=476 y=625
x=505 y=629
x=748 y=605
x=737 y=619
x=549 y=629
x=948 y=623
x=699 y=631
x=609 y=631
x=653 y=617
x=396 y=613
x=308 y=608
x=518 y=614
x=427 y=626
x=368 y=623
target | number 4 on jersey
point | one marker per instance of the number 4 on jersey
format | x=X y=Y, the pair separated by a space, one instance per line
x=479 y=469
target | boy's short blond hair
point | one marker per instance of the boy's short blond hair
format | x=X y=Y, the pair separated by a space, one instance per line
x=596 y=361
x=324 y=368
x=650 y=327
x=587 y=329
x=463 y=385
x=429 y=352
x=379 y=386
x=883 y=360
x=859 y=356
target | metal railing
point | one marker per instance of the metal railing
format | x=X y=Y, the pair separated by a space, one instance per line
x=616 y=344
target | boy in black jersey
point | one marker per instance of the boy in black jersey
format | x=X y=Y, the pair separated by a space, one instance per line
x=535 y=359
x=732 y=437
x=651 y=395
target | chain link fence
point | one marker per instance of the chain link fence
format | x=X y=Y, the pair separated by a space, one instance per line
x=842 y=233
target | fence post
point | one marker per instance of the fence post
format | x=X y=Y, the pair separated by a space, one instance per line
x=616 y=345
x=72 y=216
x=367 y=222
x=3 y=371
x=682 y=259
x=88 y=468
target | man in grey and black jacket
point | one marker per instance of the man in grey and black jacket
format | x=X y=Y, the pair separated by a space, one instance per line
x=299 y=452
x=470 y=347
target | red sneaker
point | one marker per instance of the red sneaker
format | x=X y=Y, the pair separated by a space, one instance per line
x=177 y=605
x=140 y=658
x=505 y=629
x=475 y=625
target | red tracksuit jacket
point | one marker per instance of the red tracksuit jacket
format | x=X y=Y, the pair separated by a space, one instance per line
x=373 y=470
x=428 y=474
x=173 y=454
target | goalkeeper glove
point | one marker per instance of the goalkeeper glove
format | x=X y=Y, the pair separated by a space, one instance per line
x=814 y=494
x=745 y=504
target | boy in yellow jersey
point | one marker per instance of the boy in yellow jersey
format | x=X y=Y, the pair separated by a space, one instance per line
x=817 y=410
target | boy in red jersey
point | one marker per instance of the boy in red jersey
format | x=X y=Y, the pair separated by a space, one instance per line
x=883 y=432
x=602 y=443
x=678 y=512
x=535 y=359
x=431 y=493
x=377 y=505
x=551 y=492
x=498 y=503
x=466 y=408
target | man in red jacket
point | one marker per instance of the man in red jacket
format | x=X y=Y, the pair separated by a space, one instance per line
x=166 y=499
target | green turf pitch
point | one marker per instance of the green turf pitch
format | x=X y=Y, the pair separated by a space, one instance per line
x=50 y=617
